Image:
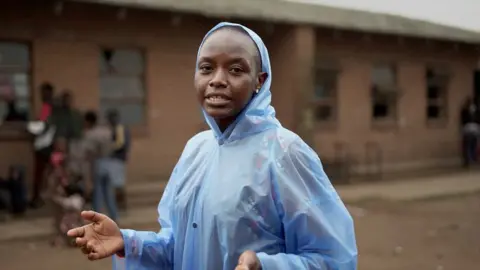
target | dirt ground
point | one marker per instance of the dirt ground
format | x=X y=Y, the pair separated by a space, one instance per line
x=440 y=234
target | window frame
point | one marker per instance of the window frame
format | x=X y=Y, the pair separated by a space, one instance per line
x=16 y=130
x=391 y=119
x=443 y=70
x=140 y=128
x=333 y=66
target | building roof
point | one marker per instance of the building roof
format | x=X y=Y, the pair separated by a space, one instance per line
x=303 y=13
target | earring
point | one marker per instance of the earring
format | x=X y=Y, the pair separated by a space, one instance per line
x=256 y=91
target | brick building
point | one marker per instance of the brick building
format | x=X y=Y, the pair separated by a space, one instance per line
x=368 y=91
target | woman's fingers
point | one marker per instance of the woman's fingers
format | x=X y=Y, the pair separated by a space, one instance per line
x=85 y=250
x=81 y=241
x=93 y=216
x=77 y=232
x=93 y=256
x=93 y=247
x=89 y=248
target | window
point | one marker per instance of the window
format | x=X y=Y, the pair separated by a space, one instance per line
x=325 y=96
x=122 y=84
x=14 y=81
x=384 y=92
x=437 y=80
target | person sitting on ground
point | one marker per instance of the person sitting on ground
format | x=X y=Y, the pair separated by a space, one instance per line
x=15 y=190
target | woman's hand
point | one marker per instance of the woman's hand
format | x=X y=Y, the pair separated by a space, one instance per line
x=248 y=261
x=99 y=239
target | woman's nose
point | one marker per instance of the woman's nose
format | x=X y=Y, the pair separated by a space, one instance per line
x=219 y=79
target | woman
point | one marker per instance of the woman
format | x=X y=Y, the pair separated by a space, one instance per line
x=248 y=194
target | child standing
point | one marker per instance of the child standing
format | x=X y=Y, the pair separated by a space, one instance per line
x=71 y=205
x=66 y=195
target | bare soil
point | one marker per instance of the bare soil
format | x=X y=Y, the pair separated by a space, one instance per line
x=440 y=234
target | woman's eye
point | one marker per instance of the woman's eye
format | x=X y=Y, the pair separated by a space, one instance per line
x=205 y=68
x=236 y=70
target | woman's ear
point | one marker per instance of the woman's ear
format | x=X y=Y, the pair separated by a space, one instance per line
x=261 y=78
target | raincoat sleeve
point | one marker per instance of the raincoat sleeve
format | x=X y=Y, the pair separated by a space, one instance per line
x=150 y=250
x=318 y=230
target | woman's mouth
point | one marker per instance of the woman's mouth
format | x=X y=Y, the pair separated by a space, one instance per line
x=217 y=100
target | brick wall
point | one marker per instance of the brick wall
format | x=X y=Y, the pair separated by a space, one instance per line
x=411 y=143
x=65 y=51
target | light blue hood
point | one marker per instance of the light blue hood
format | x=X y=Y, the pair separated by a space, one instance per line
x=259 y=115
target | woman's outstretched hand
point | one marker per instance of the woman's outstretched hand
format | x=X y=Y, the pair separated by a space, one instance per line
x=99 y=239
x=248 y=261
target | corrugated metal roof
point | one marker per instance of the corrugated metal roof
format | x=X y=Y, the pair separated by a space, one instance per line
x=295 y=12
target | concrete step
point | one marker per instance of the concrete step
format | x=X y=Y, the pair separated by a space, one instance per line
x=140 y=195
x=421 y=188
x=142 y=201
x=407 y=175
x=139 y=177
x=145 y=194
x=140 y=188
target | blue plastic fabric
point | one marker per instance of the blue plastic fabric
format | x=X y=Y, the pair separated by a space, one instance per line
x=257 y=186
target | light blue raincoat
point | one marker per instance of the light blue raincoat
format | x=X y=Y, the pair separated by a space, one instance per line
x=257 y=186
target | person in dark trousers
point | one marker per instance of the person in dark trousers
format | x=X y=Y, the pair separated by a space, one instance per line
x=42 y=154
x=121 y=147
x=470 y=121
x=98 y=146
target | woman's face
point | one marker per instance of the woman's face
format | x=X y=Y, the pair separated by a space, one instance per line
x=228 y=73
